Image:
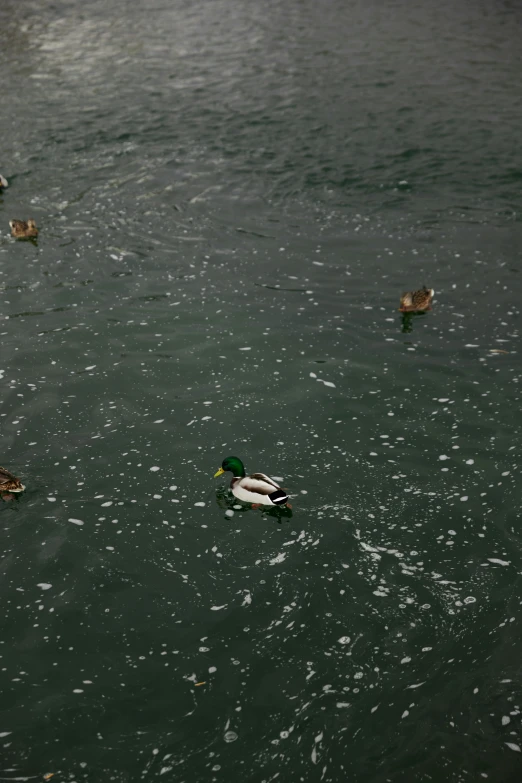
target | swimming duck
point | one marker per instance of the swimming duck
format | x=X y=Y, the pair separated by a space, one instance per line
x=414 y=301
x=9 y=483
x=258 y=489
x=22 y=229
x=3 y=182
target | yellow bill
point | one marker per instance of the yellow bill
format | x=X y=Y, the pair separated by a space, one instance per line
x=219 y=473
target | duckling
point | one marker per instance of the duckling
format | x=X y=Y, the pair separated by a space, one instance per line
x=3 y=182
x=414 y=301
x=258 y=489
x=9 y=483
x=22 y=229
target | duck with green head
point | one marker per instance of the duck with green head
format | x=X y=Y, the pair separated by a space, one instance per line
x=258 y=489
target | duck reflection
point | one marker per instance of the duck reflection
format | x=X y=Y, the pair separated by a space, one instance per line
x=407 y=321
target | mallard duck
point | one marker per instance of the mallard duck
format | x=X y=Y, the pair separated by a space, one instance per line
x=3 y=182
x=9 y=483
x=414 y=301
x=22 y=229
x=258 y=489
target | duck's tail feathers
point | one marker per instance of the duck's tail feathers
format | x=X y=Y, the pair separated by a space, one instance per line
x=279 y=497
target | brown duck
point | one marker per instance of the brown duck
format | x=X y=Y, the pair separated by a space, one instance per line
x=9 y=483
x=22 y=229
x=416 y=301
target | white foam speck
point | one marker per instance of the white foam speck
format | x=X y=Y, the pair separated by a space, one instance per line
x=218 y=608
x=5 y=733
x=91 y=367
x=512 y=746
x=107 y=503
x=154 y=469
x=470 y=461
x=344 y=640
x=247 y=348
x=444 y=399
x=158 y=421
x=277 y=559
x=329 y=383
x=417 y=685
x=77 y=690
x=313 y=375
x=212 y=669
x=499 y=562
x=505 y=720
x=44 y=585
x=200 y=503
x=76 y=521
x=443 y=457
x=173 y=487
x=342 y=704
x=463 y=498
x=51 y=500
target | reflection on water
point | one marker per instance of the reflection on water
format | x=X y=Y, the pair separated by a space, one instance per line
x=407 y=321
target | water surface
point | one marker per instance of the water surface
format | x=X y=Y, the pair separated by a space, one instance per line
x=231 y=198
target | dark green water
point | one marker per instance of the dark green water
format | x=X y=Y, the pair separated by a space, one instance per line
x=231 y=197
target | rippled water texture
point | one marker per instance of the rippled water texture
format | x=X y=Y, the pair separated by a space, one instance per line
x=231 y=197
